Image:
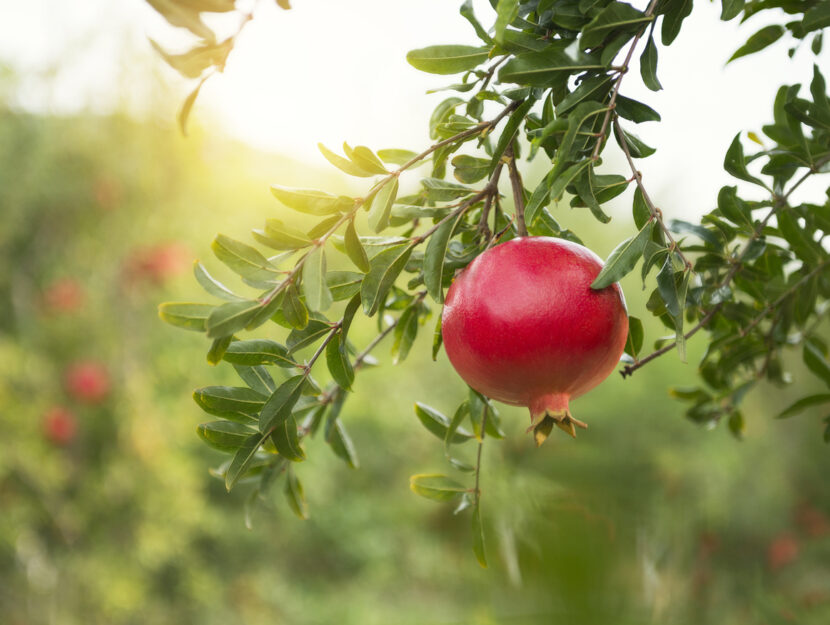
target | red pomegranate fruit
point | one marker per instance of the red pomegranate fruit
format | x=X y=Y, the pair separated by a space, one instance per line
x=88 y=382
x=59 y=425
x=522 y=325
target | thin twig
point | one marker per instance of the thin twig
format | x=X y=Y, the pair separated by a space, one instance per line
x=623 y=70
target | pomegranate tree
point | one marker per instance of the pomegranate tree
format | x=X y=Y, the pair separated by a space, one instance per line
x=522 y=325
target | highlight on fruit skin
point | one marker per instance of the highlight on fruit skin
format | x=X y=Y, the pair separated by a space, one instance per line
x=522 y=325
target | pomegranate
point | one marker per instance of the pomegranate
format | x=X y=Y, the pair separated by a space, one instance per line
x=63 y=296
x=522 y=325
x=88 y=382
x=59 y=425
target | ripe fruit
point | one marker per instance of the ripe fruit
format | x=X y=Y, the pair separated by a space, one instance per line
x=158 y=263
x=522 y=325
x=59 y=425
x=63 y=296
x=88 y=382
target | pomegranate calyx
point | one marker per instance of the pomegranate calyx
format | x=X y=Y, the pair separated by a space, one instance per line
x=552 y=410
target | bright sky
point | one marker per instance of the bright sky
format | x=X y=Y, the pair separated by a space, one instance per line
x=330 y=70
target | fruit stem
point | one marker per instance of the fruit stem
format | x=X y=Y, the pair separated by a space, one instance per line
x=550 y=410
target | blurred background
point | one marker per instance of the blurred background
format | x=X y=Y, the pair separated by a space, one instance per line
x=108 y=513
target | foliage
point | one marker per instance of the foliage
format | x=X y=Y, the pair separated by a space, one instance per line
x=545 y=82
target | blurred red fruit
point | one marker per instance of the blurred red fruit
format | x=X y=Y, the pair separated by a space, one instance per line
x=63 y=296
x=59 y=425
x=158 y=263
x=812 y=521
x=782 y=550
x=88 y=382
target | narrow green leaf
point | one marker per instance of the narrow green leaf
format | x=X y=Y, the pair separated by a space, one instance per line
x=217 y=350
x=614 y=17
x=242 y=459
x=231 y=317
x=449 y=59
x=435 y=257
x=285 y=439
x=186 y=315
x=510 y=129
x=364 y=157
x=623 y=258
x=268 y=308
x=232 y=402
x=343 y=164
x=594 y=88
x=675 y=12
x=225 y=436
x=667 y=286
x=257 y=378
x=284 y=237
x=469 y=169
x=466 y=11
x=295 y=312
x=438 y=424
x=339 y=364
x=816 y=361
x=354 y=249
x=443 y=191
x=310 y=201
x=396 y=157
x=310 y=334
x=212 y=285
x=341 y=444
x=760 y=40
x=187 y=106
x=405 y=333
x=539 y=69
x=258 y=352
x=437 y=339
x=385 y=268
x=817 y=17
x=294 y=494
x=436 y=487
x=382 y=205
x=648 y=66
x=243 y=259
x=506 y=12
x=735 y=162
x=316 y=291
x=635 y=111
x=277 y=409
x=802 y=404
x=557 y=188
x=731 y=9
x=584 y=186
x=538 y=200
x=634 y=342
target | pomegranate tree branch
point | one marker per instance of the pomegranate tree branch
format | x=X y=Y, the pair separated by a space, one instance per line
x=656 y=213
x=737 y=264
x=622 y=70
x=518 y=191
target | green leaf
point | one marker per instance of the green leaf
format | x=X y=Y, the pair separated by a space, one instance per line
x=730 y=9
x=734 y=208
x=343 y=164
x=684 y=227
x=436 y=487
x=594 y=88
x=364 y=157
x=435 y=257
x=617 y=15
x=382 y=205
x=802 y=404
x=509 y=131
x=211 y=285
x=224 y=435
x=386 y=267
x=278 y=407
x=648 y=66
x=584 y=186
x=805 y=248
x=466 y=11
x=437 y=339
x=242 y=459
x=187 y=106
x=310 y=201
x=674 y=13
x=478 y=537
x=258 y=352
x=342 y=445
x=506 y=12
x=635 y=146
x=310 y=334
x=816 y=362
x=667 y=286
x=294 y=494
x=443 y=191
x=316 y=291
x=243 y=259
x=257 y=378
x=295 y=312
x=439 y=424
x=636 y=111
x=284 y=237
x=566 y=178
x=623 y=258
x=354 y=249
x=448 y=59
x=469 y=169
x=538 y=200
x=816 y=17
x=343 y=284
x=760 y=40
x=285 y=439
x=538 y=69
x=268 y=308
x=232 y=402
x=396 y=157
x=735 y=162
x=634 y=342
x=640 y=209
x=186 y=315
x=217 y=350
x=339 y=364
x=405 y=333
x=231 y=317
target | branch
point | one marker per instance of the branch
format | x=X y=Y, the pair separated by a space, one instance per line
x=623 y=70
